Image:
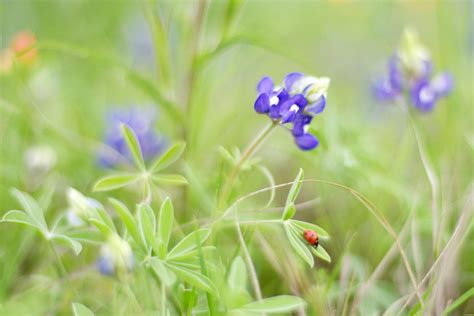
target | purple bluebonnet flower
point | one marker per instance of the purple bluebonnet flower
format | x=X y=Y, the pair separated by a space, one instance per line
x=142 y=122
x=410 y=71
x=116 y=257
x=295 y=103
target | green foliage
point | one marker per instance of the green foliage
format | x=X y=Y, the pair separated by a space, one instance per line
x=215 y=223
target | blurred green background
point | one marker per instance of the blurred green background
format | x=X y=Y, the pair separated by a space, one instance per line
x=61 y=101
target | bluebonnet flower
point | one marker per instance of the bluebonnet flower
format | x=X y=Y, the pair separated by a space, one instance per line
x=116 y=257
x=295 y=103
x=142 y=122
x=410 y=71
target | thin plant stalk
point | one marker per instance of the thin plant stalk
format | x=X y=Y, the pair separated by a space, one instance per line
x=251 y=149
x=248 y=261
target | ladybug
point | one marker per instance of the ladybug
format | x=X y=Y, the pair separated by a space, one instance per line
x=311 y=237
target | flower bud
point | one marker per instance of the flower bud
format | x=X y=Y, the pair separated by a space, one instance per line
x=414 y=56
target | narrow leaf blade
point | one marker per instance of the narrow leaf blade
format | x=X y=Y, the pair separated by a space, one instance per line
x=192 y=277
x=165 y=222
x=127 y=219
x=169 y=157
x=133 y=145
x=188 y=243
x=80 y=310
x=295 y=188
x=68 y=242
x=19 y=217
x=170 y=179
x=115 y=181
x=31 y=207
x=273 y=305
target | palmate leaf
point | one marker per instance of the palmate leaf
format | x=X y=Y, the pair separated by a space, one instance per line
x=133 y=145
x=188 y=243
x=80 y=310
x=115 y=181
x=295 y=188
x=192 y=277
x=168 y=157
x=273 y=305
x=31 y=207
x=297 y=243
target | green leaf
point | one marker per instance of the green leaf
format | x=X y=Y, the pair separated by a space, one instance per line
x=295 y=188
x=165 y=222
x=88 y=235
x=133 y=146
x=289 y=211
x=297 y=243
x=127 y=219
x=192 y=277
x=68 y=242
x=101 y=226
x=165 y=275
x=147 y=224
x=188 y=243
x=80 y=310
x=170 y=179
x=458 y=302
x=105 y=218
x=276 y=304
x=192 y=254
x=303 y=226
x=168 y=157
x=31 y=208
x=19 y=217
x=320 y=252
x=237 y=278
x=115 y=181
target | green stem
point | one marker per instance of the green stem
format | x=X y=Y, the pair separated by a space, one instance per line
x=163 y=298
x=254 y=145
x=61 y=269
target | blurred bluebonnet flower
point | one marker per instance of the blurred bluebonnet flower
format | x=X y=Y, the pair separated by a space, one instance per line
x=410 y=71
x=142 y=122
x=116 y=257
x=81 y=208
x=295 y=103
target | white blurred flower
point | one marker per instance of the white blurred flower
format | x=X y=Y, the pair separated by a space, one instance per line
x=40 y=159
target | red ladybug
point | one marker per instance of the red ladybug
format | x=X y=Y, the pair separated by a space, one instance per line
x=311 y=237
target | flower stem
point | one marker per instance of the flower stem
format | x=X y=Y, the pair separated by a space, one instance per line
x=61 y=269
x=253 y=146
x=163 y=298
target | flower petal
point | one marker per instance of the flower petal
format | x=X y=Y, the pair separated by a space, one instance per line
x=265 y=85
x=262 y=104
x=423 y=96
x=291 y=78
x=316 y=107
x=442 y=84
x=306 y=142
